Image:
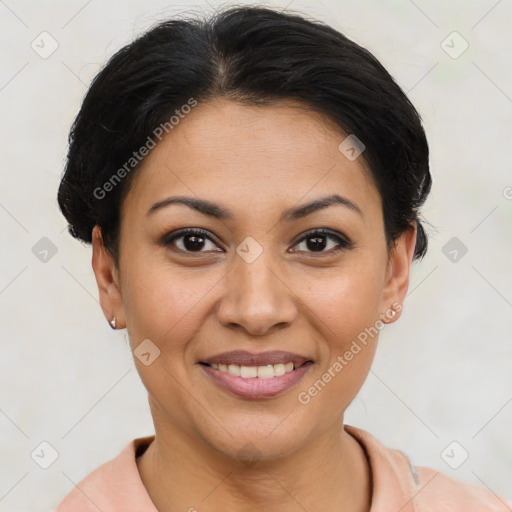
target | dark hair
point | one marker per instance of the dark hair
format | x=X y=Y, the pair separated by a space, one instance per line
x=257 y=56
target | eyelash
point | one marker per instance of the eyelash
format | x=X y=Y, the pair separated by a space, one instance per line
x=343 y=243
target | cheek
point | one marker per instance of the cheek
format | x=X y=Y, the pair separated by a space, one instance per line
x=147 y=302
x=344 y=301
x=169 y=306
x=346 y=316
x=344 y=306
x=164 y=305
x=162 y=301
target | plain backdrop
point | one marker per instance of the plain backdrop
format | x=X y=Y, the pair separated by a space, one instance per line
x=441 y=385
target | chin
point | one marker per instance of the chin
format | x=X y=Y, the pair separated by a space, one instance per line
x=257 y=439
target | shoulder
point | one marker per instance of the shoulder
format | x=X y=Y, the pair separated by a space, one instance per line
x=91 y=493
x=442 y=493
x=114 y=485
x=399 y=484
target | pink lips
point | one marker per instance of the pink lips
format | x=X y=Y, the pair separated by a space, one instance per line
x=254 y=388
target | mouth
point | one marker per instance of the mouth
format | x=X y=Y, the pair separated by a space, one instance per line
x=253 y=376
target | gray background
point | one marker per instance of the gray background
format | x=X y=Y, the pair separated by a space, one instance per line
x=442 y=372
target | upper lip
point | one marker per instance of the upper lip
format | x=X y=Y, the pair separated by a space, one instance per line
x=244 y=358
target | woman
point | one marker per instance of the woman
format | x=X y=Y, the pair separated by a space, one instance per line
x=251 y=187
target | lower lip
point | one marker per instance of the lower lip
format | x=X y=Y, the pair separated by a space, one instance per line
x=255 y=387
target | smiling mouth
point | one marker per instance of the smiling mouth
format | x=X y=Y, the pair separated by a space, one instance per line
x=268 y=371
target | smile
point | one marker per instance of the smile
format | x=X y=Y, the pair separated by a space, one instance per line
x=256 y=380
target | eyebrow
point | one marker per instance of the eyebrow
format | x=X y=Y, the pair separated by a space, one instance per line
x=219 y=212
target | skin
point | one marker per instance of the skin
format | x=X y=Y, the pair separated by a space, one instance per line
x=257 y=162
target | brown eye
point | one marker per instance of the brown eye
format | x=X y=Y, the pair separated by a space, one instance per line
x=317 y=241
x=190 y=240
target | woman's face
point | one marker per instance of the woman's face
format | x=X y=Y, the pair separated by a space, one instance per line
x=252 y=280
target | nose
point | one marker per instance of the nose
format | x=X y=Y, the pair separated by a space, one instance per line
x=257 y=298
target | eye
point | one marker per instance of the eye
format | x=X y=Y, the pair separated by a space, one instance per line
x=190 y=240
x=316 y=241
x=196 y=239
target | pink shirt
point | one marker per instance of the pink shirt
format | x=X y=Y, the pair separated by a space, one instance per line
x=116 y=486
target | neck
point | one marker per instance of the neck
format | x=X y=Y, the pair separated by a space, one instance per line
x=331 y=473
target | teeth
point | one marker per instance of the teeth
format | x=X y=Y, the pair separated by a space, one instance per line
x=261 y=372
x=249 y=372
x=234 y=369
x=279 y=369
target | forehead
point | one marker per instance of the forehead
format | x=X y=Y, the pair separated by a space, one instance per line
x=252 y=155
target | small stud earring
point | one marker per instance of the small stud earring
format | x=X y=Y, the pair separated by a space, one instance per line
x=113 y=323
x=393 y=313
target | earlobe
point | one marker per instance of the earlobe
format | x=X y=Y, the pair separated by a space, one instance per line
x=398 y=273
x=107 y=280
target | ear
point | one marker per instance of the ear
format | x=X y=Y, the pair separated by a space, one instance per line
x=107 y=278
x=397 y=274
